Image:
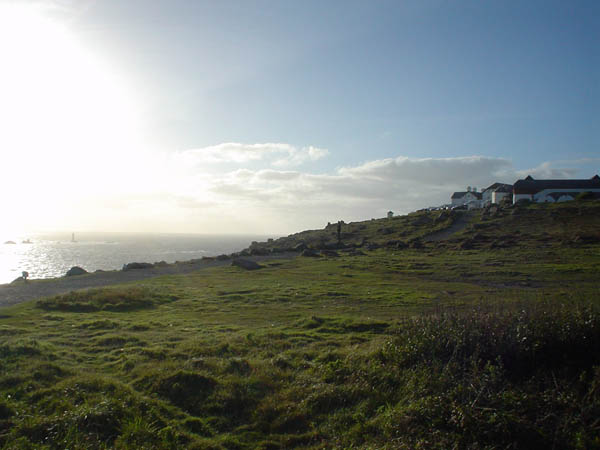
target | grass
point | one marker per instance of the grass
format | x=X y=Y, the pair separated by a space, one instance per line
x=440 y=347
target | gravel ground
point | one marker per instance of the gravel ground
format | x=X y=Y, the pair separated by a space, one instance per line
x=13 y=293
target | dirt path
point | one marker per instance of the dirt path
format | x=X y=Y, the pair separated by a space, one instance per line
x=459 y=224
x=11 y=294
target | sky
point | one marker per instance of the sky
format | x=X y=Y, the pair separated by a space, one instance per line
x=270 y=117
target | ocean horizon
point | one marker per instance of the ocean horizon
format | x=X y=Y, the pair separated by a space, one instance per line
x=50 y=255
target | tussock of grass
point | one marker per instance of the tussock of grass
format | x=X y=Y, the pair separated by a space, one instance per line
x=111 y=299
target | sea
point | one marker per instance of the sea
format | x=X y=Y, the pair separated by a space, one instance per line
x=49 y=255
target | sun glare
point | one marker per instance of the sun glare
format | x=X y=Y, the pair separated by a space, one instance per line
x=66 y=116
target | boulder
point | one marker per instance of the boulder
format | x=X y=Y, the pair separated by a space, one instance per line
x=259 y=251
x=246 y=264
x=75 y=270
x=467 y=244
x=416 y=244
x=355 y=252
x=310 y=252
x=300 y=247
x=137 y=265
x=330 y=253
x=401 y=245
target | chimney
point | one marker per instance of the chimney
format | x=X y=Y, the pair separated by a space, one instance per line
x=468 y=188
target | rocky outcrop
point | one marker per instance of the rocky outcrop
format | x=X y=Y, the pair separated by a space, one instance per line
x=310 y=252
x=246 y=264
x=75 y=270
x=137 y=265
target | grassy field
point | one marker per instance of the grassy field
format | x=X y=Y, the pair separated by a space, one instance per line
x=488 y=340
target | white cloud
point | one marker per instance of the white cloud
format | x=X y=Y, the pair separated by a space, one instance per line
x=370 y=189
x=171 y=193
x=277 y=154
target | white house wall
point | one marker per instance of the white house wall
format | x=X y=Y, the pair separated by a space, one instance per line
x=498 y=196
x=517 y=197
x=544 y=195
x=541 y=196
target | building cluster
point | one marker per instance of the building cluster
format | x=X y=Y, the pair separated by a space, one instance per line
x=527 y=189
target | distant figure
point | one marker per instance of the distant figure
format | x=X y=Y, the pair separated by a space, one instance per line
x=339 y=231
x=25 y=275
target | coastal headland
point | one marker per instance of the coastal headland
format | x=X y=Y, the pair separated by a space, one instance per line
x=437 y=329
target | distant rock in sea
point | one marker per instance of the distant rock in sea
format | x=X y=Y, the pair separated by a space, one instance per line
x=10 y=242
x=76 y=270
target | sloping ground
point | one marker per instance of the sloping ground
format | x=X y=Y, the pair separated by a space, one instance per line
x=367 y=351
x=369 y=233
x=460 y=223
x=14 y=293
x=436 y=347
x=535 y=225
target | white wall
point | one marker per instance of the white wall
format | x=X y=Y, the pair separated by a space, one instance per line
x=498 y=196
x=541 y=196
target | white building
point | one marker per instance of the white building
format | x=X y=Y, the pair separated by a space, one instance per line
x=470 y=197
x=553 y=190
x=487 y=195
x=501 y=193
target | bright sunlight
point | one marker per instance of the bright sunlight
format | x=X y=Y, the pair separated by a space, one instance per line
x=66 y=118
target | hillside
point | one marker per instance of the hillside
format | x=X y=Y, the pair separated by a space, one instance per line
x=495 y=227
x=485 y=338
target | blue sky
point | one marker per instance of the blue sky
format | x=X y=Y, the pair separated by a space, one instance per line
x=383 y=92
x=367 y=79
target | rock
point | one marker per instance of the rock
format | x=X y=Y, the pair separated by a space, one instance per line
x=466 y=245
x=10 y=242
x=355 y=252
x=246 y=264
x=75 y=270
x=137 y=265
x=300 y=247
x=310 y=252
x=401 y=245
x=416 y=243
x=259 y=251
x=330 y=253
x=223 y=257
